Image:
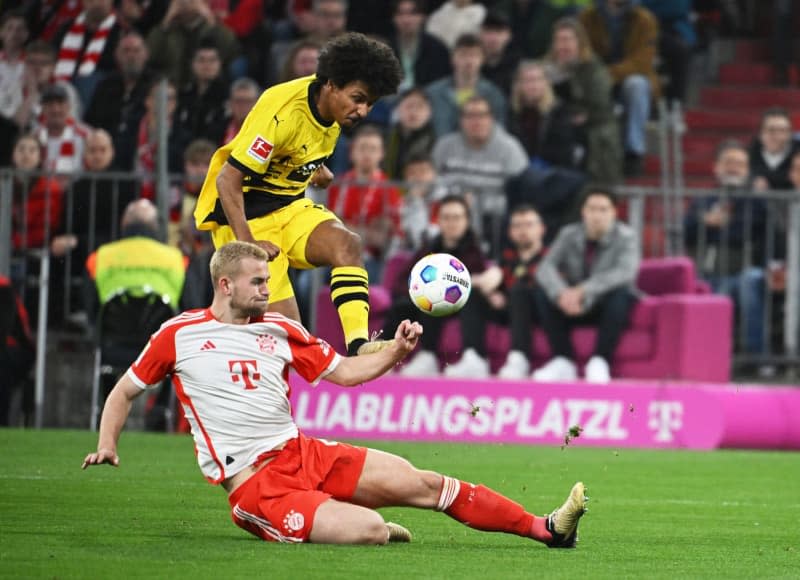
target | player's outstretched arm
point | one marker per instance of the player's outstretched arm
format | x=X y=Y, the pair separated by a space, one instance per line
x=115 y=412
x=229 y=188
x=355 y=370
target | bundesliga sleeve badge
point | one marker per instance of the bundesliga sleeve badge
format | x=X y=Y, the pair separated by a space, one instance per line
x=260 y=149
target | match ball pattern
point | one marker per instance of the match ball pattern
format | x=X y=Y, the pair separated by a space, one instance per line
x=439 y=284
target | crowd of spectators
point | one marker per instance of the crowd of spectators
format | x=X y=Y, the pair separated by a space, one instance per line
x=505 y=103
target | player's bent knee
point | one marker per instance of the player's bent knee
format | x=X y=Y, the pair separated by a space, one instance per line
x=376 y=532
x=367 y=531
x=343 y=523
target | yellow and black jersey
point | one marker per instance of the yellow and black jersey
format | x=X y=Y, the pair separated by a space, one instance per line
x=279 y=147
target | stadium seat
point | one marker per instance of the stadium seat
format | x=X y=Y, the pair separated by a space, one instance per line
x=677 y=331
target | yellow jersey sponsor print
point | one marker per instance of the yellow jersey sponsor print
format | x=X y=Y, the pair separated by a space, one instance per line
x=281 y=144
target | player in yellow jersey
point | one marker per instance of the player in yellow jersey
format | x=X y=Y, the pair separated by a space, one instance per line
x=255 y=187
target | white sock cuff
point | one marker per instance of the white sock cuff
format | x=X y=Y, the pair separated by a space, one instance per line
x=450 y=489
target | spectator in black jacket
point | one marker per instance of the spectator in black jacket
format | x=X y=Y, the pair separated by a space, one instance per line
x=501 y=57
x=17 y=349
x=92 y=217
x=201 y=103
x=141 y=15
x=456 y=238
x=424 y=57
x=118 y=102
x=504 y=294
x=515 y=294
x=726 y=233
x=540 y=120
x=772 y=150
x=139 y=151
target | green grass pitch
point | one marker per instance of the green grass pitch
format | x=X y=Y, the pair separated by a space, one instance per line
x=653 y=514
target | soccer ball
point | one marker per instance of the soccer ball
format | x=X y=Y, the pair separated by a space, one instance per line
x=439 y=284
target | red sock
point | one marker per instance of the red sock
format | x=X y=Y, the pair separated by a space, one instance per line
x=483 y=509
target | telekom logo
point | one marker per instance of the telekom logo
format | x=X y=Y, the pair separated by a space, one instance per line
x=241 y=371
x=666 y=417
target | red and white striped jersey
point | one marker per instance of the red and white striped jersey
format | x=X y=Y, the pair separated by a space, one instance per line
x=231 y=380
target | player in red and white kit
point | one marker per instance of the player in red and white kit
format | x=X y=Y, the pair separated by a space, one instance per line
x=229 y=365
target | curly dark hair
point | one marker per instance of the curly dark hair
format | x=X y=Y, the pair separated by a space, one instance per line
x=355 y=57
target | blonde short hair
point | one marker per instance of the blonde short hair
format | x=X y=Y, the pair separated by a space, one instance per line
x=226 y=260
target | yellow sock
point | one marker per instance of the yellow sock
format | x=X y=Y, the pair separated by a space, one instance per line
x=350 y=296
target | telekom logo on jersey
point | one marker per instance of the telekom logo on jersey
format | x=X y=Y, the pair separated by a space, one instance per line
x=245 y=371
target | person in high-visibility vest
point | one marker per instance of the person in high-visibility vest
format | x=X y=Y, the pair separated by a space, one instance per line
x=138 y=262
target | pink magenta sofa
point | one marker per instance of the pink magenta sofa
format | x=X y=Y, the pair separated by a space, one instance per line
x=678 y=330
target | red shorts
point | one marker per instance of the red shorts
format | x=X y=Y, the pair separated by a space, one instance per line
x=279 y=501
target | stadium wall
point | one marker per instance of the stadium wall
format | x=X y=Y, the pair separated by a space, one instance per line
x=624 y=414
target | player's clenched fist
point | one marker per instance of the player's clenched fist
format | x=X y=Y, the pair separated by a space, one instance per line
x=407 y=334
x=322 y=177
x=271 y=249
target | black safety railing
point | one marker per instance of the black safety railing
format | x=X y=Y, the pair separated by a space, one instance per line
x=45 y=237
